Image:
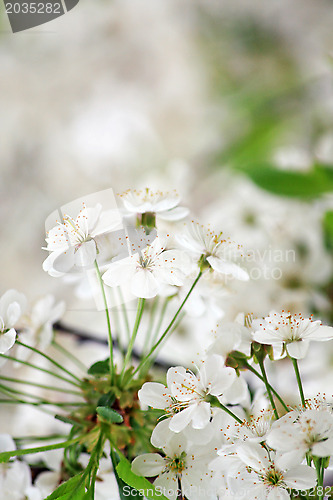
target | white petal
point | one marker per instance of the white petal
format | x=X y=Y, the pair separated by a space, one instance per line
x=13 y=314
x=267 y=337
x=148 y=465
x=201 y=416
x=224 y=267
x=300 y=477
x=6 y=443
x=167 y=484
x=284 y=438
x=323 y=448
x=179 y=421
x=254 y=455
x=323 y=332
x=237 y=393
x=290 y=458
x=155 y=395
x=85 y=255
x=8 y=298
x=298 y=349
x=48 y=265
x=161 y=434
x=278 y=494
x=144 y=284
x=61 y=262
x=7 y=340
x=120 y=272
x=109 y=220
x=176 y=213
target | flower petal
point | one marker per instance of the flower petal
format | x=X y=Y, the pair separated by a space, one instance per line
x=301 y=477
x=148 y=465
x=7 y=340
x=144 y=284
x=298 y=349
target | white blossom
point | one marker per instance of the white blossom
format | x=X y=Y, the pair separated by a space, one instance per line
x=258 y=476
x=183 y=462
x=292 y=332
x=164 y=205
x=144 y=273
x=186 y=397
x=221 y=255
x=72 y=242
x=311 y=431
x=12 y=305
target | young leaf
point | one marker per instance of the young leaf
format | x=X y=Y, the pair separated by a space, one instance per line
x=139 y=483
x=99 y=368
x=67 y=489
x=125 y=491
x=309 y=184
x=111 y=416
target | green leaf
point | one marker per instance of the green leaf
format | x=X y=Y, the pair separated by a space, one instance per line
x=328 y=229
x=141 y=484
x=69 y=490
x=111 y=416
x=124 y=494
x=309 y=184
x=99 y=368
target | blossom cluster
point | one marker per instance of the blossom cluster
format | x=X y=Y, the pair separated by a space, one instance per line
x=215 y=429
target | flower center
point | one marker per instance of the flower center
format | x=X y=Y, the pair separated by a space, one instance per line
x=177 y=463
x=273 y=477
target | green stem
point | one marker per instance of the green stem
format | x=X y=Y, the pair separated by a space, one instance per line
x=152 y=360
x=150 y=326
x=38 y=401
x=42 y=386
x=168 y=328
x=9 y=391
x=139 y=312
x=255 y=372
x=38 y=438
x=31 y=365
x=299 y=381
x=70 y=356
x=268 y=387
x=45 y=356
x=16 y=401
x=161 y=318
x=125 y=315
x=317 y=463
x=232 y=414
x=110 y=340
x=6 y=455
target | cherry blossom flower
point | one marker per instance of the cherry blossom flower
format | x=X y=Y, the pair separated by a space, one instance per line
x=146 y=201
x=184 y=463
x=38 y=328
x=15 y=476
x=311 y=431
x=258 y=475
x=186 y=399
x=12 y=305
x=219 y=254
x=44 y=314
x=73 y=241
x=292 y=332
x=146 y=272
